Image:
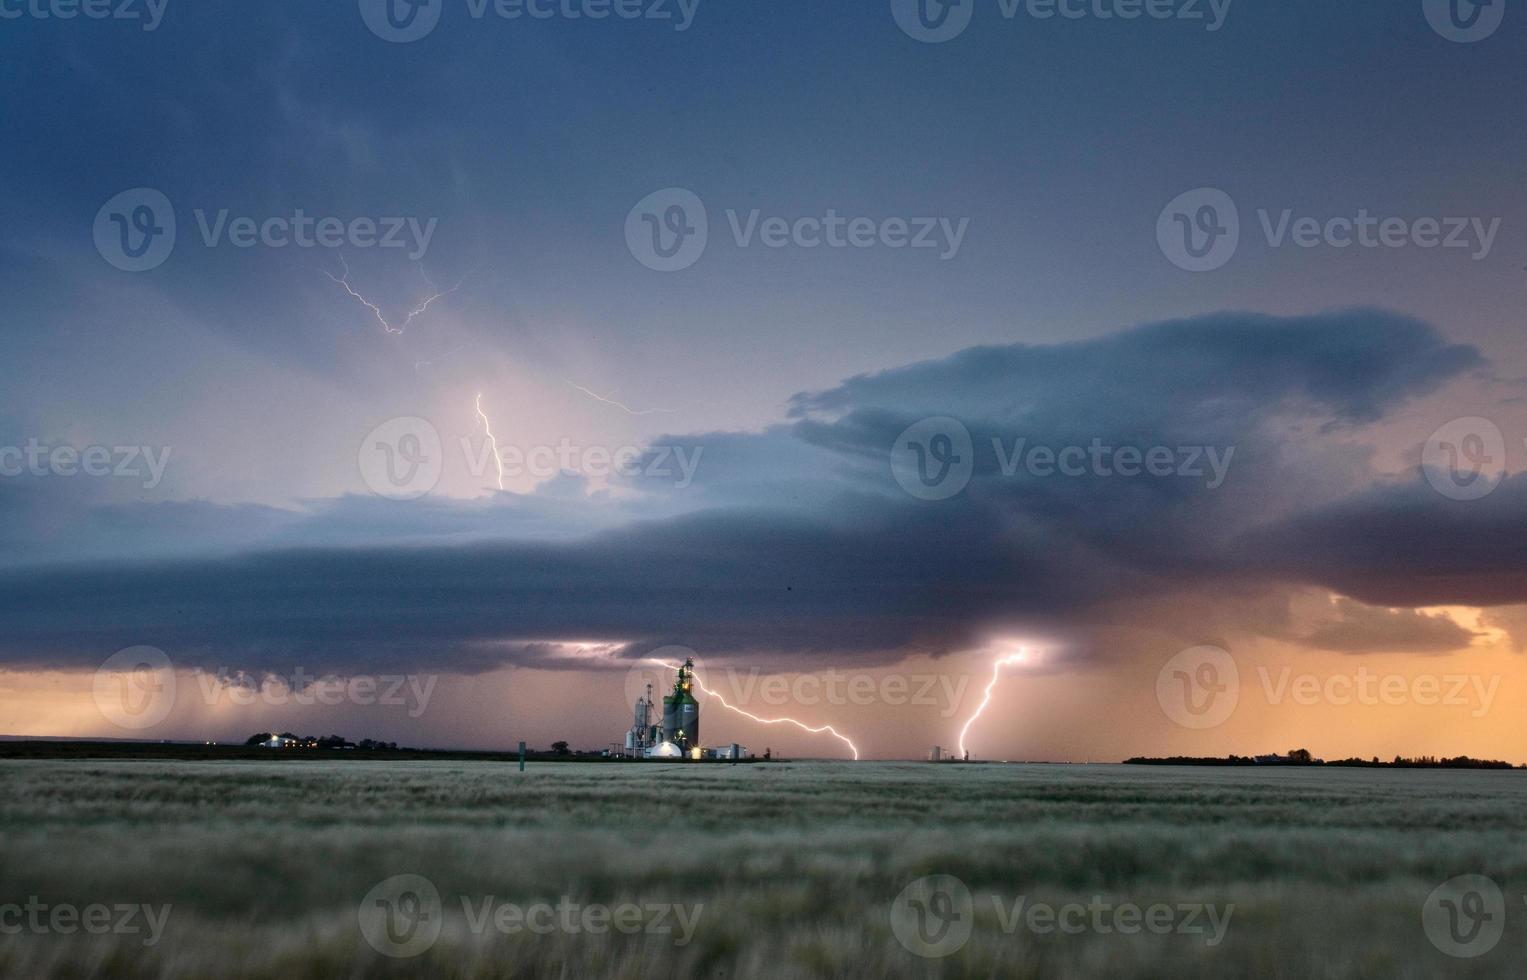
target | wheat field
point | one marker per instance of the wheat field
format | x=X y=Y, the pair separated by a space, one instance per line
x=270 y=869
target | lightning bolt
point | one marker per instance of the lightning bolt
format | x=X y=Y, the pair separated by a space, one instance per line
x=492 y=440
x=996 y=672
x=624 y=408
x=418 y=311
x=439 y=357
x=769 y=721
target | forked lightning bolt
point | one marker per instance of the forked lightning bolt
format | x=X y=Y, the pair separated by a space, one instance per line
x=434 y=294
x=769 y=721
x=492 y=440
x=624 y=408
x=996 y=672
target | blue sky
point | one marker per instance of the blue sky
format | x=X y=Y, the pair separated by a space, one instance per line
x=529 y=141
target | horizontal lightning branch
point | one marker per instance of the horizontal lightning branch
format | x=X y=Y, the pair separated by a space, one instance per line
x=828 y=729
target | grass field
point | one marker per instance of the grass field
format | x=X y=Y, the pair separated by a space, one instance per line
x=766 y=870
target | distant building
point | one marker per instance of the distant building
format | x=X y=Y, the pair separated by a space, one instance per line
x=677 y=734
x=279 y=742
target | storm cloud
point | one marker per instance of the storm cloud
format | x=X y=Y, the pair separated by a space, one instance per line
x=799 y=542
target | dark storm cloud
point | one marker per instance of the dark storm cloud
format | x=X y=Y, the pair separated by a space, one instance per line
x=800 y=543
x=1356 y=628
x=1404 y=545
x=1179 y=375
x=718 y=581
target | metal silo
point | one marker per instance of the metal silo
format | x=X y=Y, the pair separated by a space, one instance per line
x=689 y=722
x=644 y=711
x=681 y=712
x=670 y=718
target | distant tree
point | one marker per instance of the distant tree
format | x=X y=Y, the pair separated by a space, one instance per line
x=258 y=739
x=1300 y=756
x=560 y=748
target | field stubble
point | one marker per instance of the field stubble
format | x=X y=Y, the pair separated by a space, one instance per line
x=792 y=869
